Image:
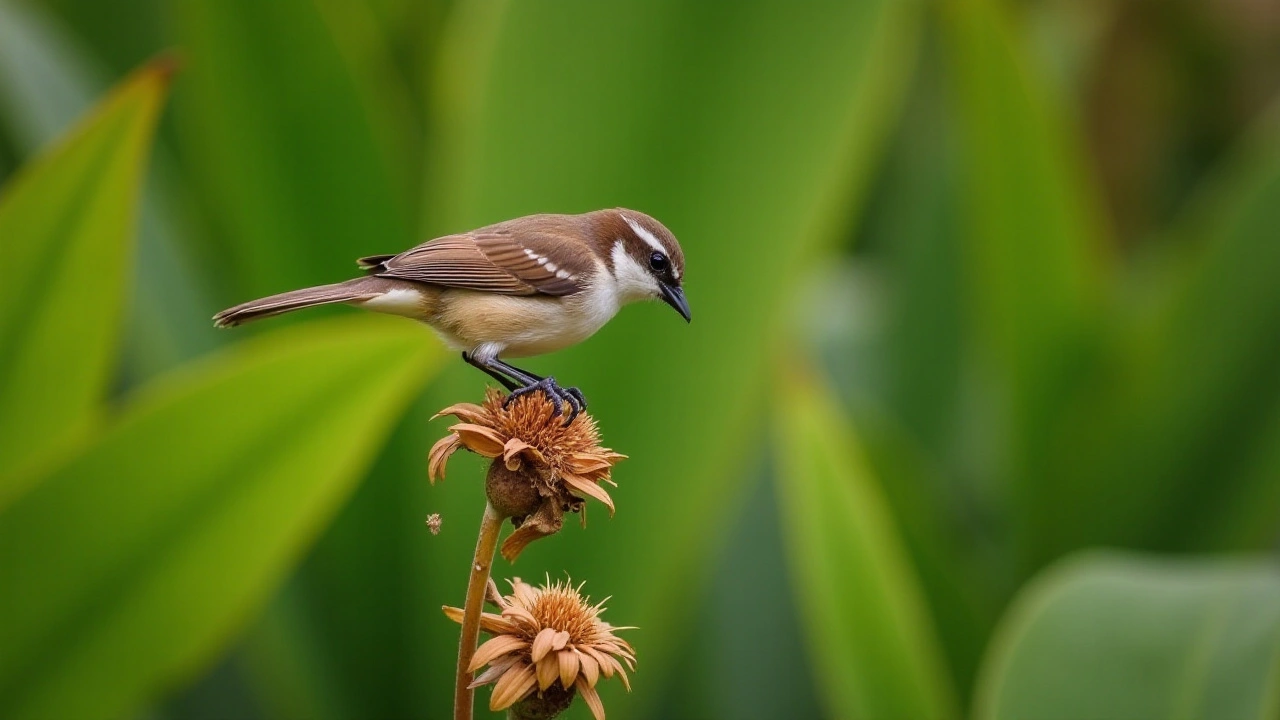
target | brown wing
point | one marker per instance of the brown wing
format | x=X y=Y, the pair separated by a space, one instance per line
x=498 y=262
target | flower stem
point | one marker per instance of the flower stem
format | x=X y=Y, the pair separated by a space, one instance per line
x=463 y=696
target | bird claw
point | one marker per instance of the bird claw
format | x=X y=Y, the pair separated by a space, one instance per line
x=559 y=397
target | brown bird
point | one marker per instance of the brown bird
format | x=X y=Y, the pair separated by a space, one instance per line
x=523 y=287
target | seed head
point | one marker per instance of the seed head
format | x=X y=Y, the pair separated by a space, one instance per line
x=541 y=467
x=548 y=642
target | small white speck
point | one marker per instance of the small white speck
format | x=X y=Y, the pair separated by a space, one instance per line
x=478 y=567
x=551 y=267
x=562 y=274
x=541 y=260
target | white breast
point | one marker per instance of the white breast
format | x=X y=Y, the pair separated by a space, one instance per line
x=522 y=326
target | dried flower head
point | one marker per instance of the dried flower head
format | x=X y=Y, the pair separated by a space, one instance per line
x=541 y=467
x=434 y=522
x=547 y=642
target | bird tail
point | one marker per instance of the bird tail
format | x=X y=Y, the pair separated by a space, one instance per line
x=359 y=289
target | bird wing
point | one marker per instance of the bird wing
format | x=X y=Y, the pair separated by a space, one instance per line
x=526 y=263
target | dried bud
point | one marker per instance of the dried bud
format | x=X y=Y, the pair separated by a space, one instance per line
x=541 y=467
x=433 y=523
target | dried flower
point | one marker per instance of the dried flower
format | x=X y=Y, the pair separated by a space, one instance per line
x=547 y=642
x=541 y=467
x=434 y=522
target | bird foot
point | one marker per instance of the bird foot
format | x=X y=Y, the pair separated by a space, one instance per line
x=559 y=397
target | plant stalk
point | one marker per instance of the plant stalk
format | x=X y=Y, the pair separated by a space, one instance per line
x=463 y=696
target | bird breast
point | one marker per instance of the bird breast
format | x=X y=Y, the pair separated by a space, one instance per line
x=521 y=326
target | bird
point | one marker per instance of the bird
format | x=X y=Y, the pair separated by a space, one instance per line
x=519 y=288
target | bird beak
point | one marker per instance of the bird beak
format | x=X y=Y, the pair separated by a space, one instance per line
x=674 y=296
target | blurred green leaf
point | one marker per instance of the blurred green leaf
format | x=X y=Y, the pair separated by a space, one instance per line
x=1199 y=396
x=749 y=130
x=121 y=34
x=147 y=551
x=66 y=226
x=281 y=141
x=869 y=629
x=46 y=81
x=1033 y=257
x=1131 y=636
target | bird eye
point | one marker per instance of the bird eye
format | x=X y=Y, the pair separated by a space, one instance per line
x=658 y=262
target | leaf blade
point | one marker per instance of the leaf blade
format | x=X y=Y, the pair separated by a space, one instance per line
x=216 y=524
x=1035 y=262
x=66 y=225
x=870 y=634
x=1126 y=635
x=300 y=181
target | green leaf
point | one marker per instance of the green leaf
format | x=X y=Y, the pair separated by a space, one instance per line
x=66 y=228
x=1033 y=256
x=1129 y=636
x=869 y=630
x=282 y=142
x=46 y=82
x=146 y=552
x=1199 y=396
x=750 y=131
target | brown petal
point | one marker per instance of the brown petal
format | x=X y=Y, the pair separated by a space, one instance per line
x=614 y=665
x=511 y=453
x=607 y=646
x=524 y=592
x=519 y=614
x=496 y=624
x=492 y=596
x=546 y=520
x=516 y=447
x=606 y=667
x=542 y=643
x=495 y=648
x=439 y=456
x=495 y=671
x=586 y=487
x=626 y=681
x=568 y=666
x=465 y=412
x=548 y=670
x=590 y=669
x=511 y=687
x=479 y=439
x=591 y=698
x=489 y=622
x=583 y=463
x=561 y=639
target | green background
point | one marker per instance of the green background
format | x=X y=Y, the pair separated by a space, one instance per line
x=978 y=416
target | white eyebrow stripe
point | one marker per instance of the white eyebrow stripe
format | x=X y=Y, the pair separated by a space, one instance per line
x=644 y=234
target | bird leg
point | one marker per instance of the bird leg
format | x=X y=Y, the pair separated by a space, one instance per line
x=491 y=372
x=522 y=382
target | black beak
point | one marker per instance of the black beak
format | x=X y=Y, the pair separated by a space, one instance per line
x=674 y=296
